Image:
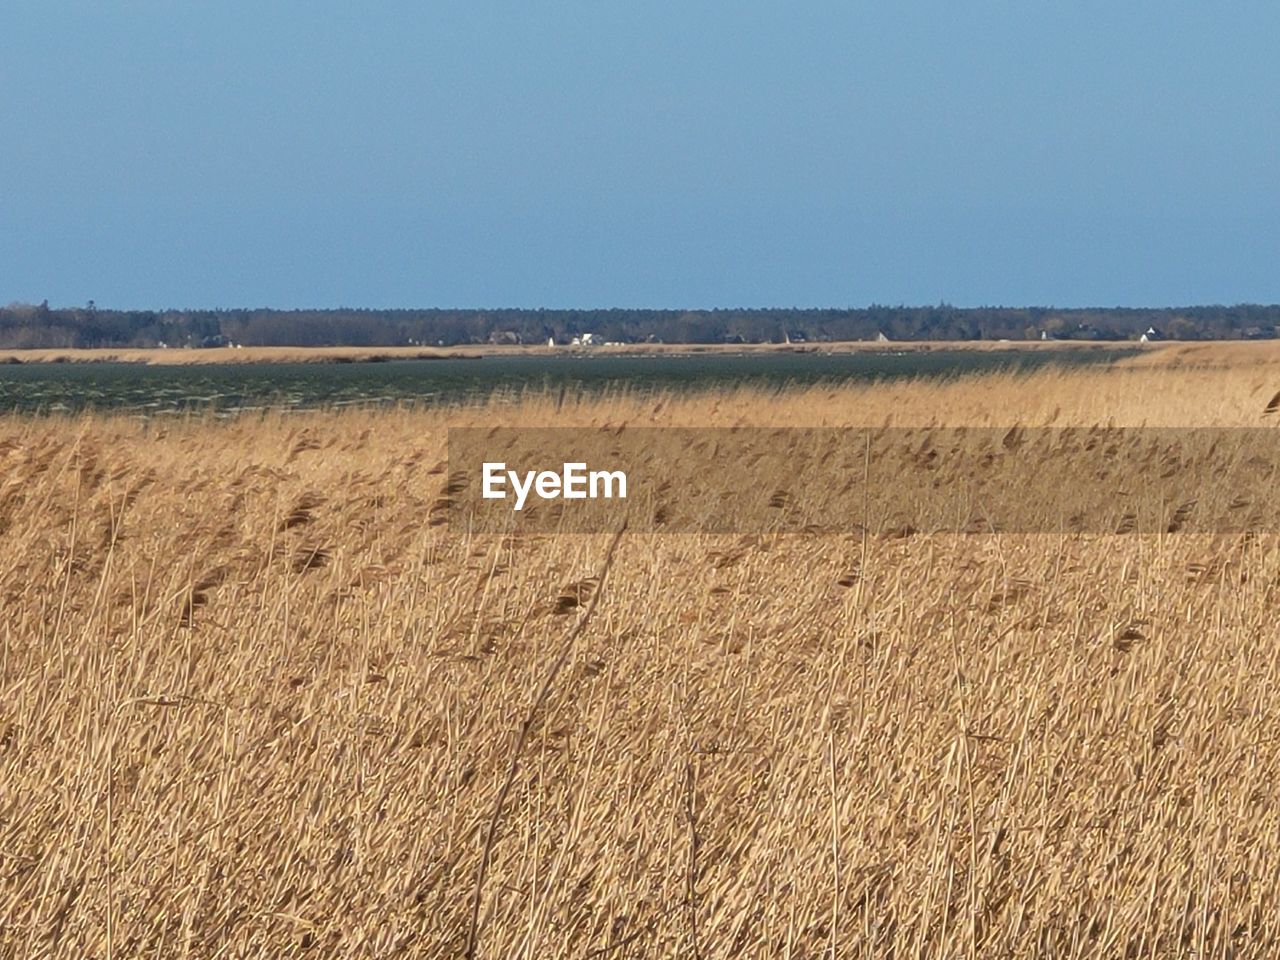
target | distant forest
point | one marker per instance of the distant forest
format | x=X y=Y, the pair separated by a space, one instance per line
x=31 y=326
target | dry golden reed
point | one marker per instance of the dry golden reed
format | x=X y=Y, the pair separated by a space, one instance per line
x=256 y=702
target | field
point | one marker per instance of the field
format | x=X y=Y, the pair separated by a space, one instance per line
x=255 y=701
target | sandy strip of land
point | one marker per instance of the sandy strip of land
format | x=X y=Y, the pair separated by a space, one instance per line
x=185 y=357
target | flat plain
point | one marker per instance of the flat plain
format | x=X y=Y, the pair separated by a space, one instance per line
x=268 y=355
x=256 y=700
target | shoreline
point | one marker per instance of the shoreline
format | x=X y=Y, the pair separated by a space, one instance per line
x=334 y=355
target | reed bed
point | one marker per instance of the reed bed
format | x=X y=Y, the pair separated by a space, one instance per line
x=255 y=702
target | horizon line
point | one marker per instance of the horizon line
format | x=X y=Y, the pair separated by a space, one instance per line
x=874 y=305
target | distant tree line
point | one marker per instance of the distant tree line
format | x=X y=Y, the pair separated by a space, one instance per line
x=25 y=325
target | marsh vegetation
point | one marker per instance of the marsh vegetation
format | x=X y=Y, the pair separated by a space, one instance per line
x=256 y=703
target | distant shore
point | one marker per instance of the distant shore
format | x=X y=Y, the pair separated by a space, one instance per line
x=223 y=355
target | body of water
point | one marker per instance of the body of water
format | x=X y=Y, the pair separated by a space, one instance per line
x=233 y=388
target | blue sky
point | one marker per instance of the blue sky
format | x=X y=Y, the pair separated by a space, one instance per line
x=700 y=153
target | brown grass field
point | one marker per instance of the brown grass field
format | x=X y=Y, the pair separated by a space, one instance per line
x=254 y=702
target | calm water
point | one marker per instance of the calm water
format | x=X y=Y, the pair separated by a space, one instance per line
x=232 y=388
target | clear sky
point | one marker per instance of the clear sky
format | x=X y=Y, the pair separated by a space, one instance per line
x=697 y=153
